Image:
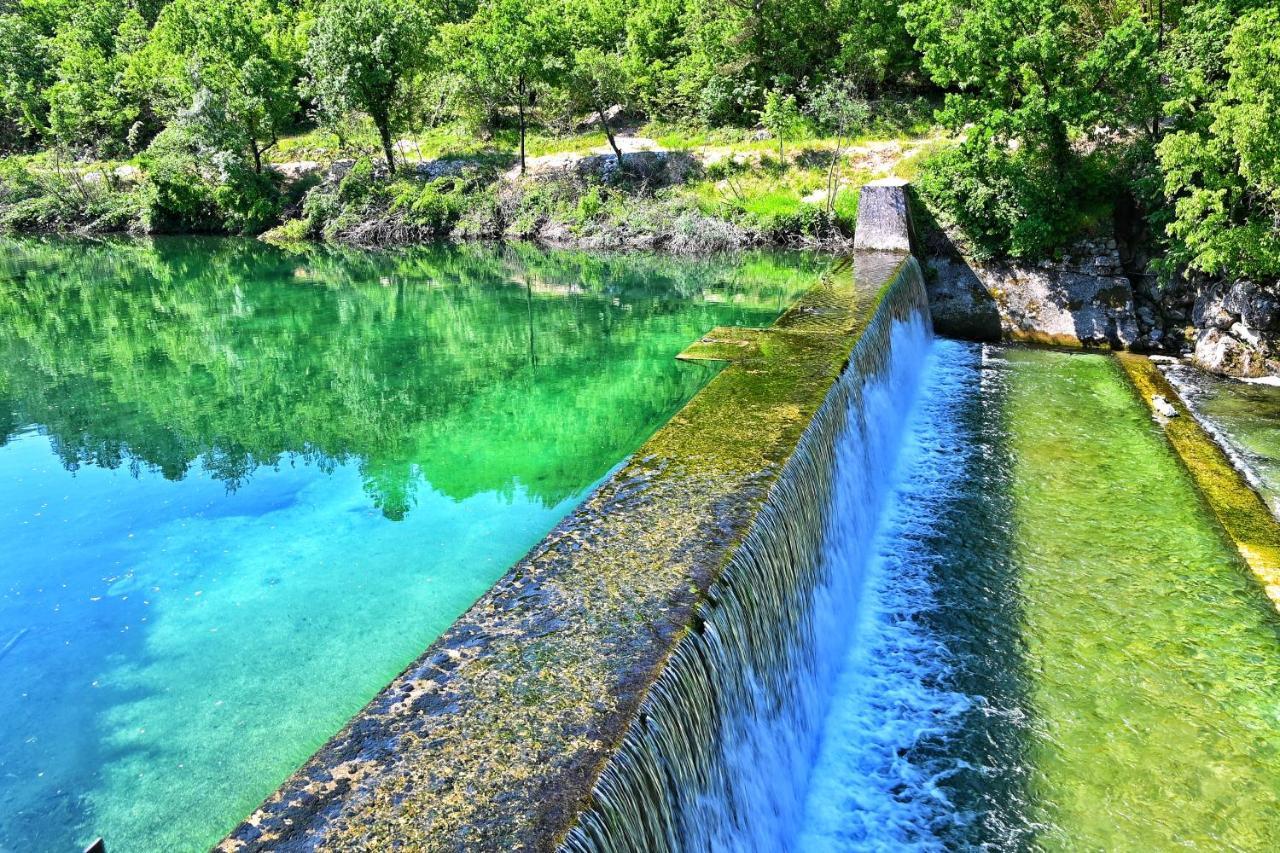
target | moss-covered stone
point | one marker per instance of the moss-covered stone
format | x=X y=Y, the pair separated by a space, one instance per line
x=1242 y=512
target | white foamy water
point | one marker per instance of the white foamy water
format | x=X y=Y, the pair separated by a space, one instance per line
x=864 y=791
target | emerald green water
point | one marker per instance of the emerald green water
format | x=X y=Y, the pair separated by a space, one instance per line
x=1244 y=416
x=1054 y=647
x=1148 y=653
x=241 y=489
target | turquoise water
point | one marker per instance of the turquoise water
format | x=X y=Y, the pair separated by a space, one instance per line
x=241 y=489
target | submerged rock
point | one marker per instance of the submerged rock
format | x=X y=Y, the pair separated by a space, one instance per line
x=1163 y=406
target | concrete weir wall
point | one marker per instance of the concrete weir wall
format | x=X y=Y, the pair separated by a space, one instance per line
x=495 y=738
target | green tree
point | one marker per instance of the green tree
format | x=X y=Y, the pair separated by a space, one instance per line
x=508 y=54
x=89 y=104
x=837 y=108
x=1027 y=79
x=874 y=48
x=24 y=75
x=781 y=117
x=599 y=81
x=243 y=52
x=1222 y=167
x=364 y=56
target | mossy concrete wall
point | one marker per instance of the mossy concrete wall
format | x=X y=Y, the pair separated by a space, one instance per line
x=1243 y=514
x=493 y=739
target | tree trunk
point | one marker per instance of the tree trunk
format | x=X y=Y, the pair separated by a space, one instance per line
x=384 y=131
x=520 y=106
x=257 y=158
x=608 y=132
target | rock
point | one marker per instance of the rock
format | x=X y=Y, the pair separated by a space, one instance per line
x=1005 y=301
x=1256 y=306
x=1163 y=406
x=295 y=170
x=960 y=303
x=338 y=169
x=1236 y=327
x=441 y=168
x=616 y=115
x=1219 y=351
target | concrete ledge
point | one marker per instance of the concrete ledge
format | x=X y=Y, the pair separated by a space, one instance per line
x=1242 y=512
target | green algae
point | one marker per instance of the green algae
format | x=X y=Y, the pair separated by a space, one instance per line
x=1146 y=653
x=1242 y=512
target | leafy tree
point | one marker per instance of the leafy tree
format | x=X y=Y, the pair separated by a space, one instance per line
x=1222 y=169
x=241 y=51
x=364 y=55
x=837 y=108
x=599 y=80
x=1026 y=78
x=656 y=50
x=510 y=52
x=781 y=117
x=874 y=47
x=199 y=179
x=89 y=105
x=24 y=75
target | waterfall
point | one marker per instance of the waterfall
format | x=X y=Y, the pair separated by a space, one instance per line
x=719 y=754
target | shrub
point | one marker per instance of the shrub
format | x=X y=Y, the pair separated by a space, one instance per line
x=1009 y=202
x=590 y=206
x=436 y=205
x=358 y=184
x=53 y=201
x=186 y=189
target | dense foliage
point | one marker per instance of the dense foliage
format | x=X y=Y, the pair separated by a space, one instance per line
x=1064 y=111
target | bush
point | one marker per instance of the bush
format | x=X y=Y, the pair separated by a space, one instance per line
x=292 y=231
x=60 y=201
x=359 y=184
x=186 y=189
x=436 y=205
x=1012 y=203
x=590 y=206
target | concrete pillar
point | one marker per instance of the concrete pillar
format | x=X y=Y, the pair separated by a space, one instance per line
x=884 y=217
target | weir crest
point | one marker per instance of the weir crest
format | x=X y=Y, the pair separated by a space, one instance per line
x=718 y=755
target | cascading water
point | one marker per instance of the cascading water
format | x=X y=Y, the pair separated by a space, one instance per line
x=720 y=754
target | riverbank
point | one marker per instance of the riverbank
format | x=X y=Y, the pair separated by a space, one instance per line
x=682 y=193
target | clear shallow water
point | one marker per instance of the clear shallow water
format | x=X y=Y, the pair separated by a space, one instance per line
x=241 y=489
x=1245 y=416
x=1053 y=648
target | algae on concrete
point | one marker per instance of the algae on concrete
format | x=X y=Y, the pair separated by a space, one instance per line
x=1242 y=512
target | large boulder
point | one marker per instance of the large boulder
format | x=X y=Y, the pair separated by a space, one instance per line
x=1238 y=328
